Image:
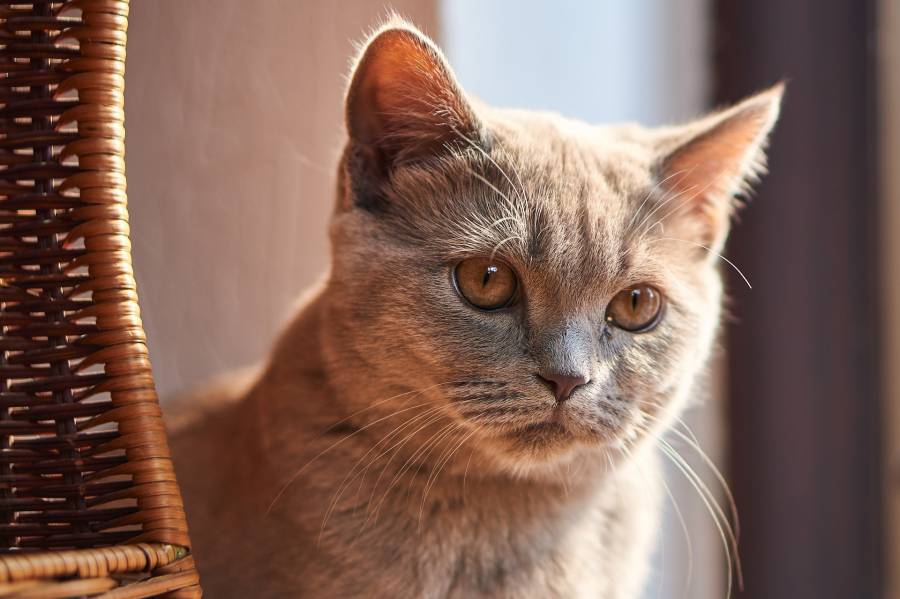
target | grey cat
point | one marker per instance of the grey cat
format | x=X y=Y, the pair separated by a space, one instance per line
x=517 y=307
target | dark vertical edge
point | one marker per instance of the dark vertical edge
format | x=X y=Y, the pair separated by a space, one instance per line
x=803 y=345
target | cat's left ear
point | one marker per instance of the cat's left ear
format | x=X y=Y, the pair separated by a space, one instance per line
x=703 y=165
x=404 y=104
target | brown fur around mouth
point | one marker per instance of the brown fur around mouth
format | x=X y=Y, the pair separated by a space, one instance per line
x=546 y=432
x=399 y=441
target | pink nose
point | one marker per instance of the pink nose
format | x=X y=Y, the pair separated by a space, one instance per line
x=563 y=384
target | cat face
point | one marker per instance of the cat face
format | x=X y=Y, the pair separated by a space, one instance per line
x=545 y=286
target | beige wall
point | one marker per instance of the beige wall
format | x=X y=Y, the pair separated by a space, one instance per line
x=234 y=122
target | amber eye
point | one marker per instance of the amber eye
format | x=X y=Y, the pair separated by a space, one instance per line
x=635 y=309
x=484 y=283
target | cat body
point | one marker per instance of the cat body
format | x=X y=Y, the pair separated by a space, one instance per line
x=583 y=534
x=517 y=307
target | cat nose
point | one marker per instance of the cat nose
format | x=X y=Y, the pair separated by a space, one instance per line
x=563 y=384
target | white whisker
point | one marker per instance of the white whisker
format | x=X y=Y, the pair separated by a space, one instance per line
x=714 y=253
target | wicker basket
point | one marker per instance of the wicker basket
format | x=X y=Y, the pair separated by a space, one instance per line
x=89 y=504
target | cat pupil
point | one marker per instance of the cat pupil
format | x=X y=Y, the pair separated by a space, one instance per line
x=490 y=270
x=635 y=298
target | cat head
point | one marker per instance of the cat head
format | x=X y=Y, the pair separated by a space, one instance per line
x=544 y=286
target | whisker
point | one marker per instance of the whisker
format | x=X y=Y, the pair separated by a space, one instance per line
x=297 y=474
x=345 y=483
x=718 y=516
x=396 y=450
x=694 y=444
x=519 y=191
x=682 y=522
x=668 y=199
x=714 y=253
x=433 y=477
x=512 y=205
x=466 y=471
x=653 y=189
x=500 y=244
x=387 y=399
x=300 y=471
x=396 y=447
x=681 y=204
x=425 y=447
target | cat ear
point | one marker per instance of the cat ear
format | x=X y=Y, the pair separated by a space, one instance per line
x=404 y=104
x=705 y=164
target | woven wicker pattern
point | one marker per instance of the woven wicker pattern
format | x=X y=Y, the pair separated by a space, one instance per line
x=84 y=462
x=98 y=571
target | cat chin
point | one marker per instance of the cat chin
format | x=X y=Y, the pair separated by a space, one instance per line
x=550 y=464
x=545 y=451
x=556 y=450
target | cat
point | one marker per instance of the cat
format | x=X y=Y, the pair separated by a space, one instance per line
x=517 y=307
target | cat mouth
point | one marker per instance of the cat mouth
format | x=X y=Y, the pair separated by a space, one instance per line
x=560 y=429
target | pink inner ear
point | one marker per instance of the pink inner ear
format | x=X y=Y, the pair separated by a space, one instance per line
x=404 y=99
x=719 y=157
x=702 y=178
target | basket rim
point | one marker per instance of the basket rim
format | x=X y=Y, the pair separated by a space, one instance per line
x=87 y=563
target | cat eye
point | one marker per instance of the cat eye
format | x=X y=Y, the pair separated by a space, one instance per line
x=635 y=309
x=486 y=284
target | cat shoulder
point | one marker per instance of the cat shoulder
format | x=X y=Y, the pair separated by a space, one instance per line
x=189 y=407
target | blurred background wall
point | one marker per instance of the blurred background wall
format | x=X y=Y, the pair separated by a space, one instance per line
x=234 y=124
x=234 y=113
x=805 y=348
